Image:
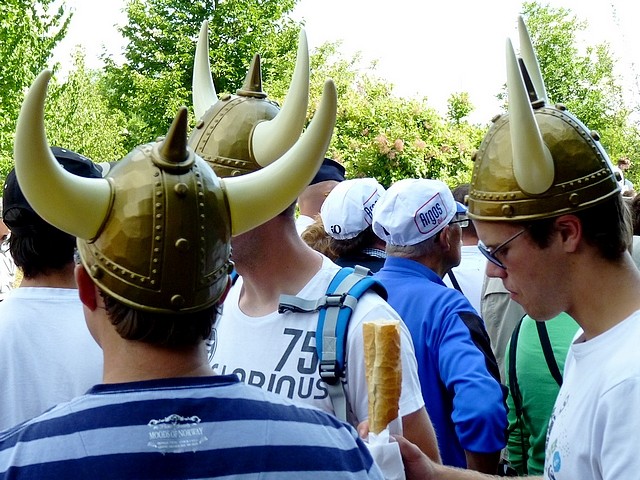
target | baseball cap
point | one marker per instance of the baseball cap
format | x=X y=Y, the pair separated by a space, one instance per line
x=17 y=213
x=329 y=170
x=414 y=210
x=348 y=209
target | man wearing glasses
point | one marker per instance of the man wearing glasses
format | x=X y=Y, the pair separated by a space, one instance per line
x=422 y=225
x=554 y=227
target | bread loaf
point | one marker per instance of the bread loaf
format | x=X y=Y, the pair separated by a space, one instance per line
x=383 y=370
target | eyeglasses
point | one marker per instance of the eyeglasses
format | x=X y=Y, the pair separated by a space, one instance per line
x=464 y=222
x=491 y=254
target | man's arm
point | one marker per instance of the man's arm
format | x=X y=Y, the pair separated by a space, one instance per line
x=418 y=429
x=417 y=466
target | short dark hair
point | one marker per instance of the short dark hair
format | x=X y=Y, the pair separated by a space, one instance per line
x=460 y=192
x=345 y=248
x=607 y=226
x=160 y=329
x=41 y=248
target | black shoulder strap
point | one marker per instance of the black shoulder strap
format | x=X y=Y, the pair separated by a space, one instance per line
x=513 y=379
x=548 y=352
x=454 y=281
x=515 y=392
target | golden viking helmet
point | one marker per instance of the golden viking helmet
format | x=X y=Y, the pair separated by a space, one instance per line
x=538 y=161
x=242 y=133
x=154 y=233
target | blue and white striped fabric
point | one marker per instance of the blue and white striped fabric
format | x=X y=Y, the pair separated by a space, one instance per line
x=208 y=427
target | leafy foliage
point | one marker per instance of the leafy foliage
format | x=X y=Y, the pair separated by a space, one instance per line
x=381 y=135
x=103 y=114
x=29 y=31
x=156 y=77
x=77 y=116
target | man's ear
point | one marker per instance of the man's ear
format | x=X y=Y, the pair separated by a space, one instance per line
x=443 y=238
x=86 y=288
x=569 y=227
x=226 y=290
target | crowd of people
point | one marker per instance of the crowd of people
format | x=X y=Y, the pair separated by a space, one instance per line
x=147 y=338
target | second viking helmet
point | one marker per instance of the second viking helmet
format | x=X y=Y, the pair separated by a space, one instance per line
x=242 y=133
x=154 y=233
x=538 y=161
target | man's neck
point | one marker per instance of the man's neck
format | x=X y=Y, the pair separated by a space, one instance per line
x=281 y=264
x=605 y=295
x=129 y=361
x=62 y=278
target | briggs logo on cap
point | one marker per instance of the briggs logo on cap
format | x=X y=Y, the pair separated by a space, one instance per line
x=430 y=215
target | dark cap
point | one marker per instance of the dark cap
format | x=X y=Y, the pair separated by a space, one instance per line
x=16 y=211
x=329 y=170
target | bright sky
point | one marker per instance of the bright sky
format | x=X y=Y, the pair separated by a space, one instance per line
x=430 y=49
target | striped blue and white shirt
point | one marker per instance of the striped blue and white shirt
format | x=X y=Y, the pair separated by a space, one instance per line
x=205 y=427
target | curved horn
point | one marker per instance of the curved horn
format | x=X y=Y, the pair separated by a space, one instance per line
x=74 y=204
x=272 y=138
x=203 y=90
x=530 y=60
x=532 y=162
x=259 y=196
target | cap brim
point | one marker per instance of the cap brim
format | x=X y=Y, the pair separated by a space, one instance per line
x=460 y=208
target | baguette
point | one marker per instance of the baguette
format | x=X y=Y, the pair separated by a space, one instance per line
x=383 y=370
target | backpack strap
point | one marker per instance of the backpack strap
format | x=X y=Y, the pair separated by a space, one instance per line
x=335 y=309
x=514 y=388
x=548 y=352
x=454 y=281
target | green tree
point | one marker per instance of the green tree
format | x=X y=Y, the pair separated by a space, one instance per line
x=459 y=107
x=155 y=78
x=77 y=116
x=30 y=30
x=381 y=135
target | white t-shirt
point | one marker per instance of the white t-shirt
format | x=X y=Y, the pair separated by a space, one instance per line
x=593 y=429
x=7 y=270
x=470 y=275
x=277 y=351
x=47 y=355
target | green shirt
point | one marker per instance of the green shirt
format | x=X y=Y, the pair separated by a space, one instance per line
x=538 y=389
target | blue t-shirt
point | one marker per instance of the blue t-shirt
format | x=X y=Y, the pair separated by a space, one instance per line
x=205 y=427
x=458 y=373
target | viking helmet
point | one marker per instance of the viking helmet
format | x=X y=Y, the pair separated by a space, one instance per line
x=242 y=133
x=154 y=233
x=537 y=161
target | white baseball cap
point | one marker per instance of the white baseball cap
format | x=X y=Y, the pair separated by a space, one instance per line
x=348 y=209
x=413 y=210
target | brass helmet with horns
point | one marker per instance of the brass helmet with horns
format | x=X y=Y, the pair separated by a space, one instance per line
x=242 y=133
x=154 y=233
x=537 y=161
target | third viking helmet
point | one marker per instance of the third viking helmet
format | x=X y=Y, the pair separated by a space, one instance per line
x=154 y=233
x=538 y=161
x=242 y=133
